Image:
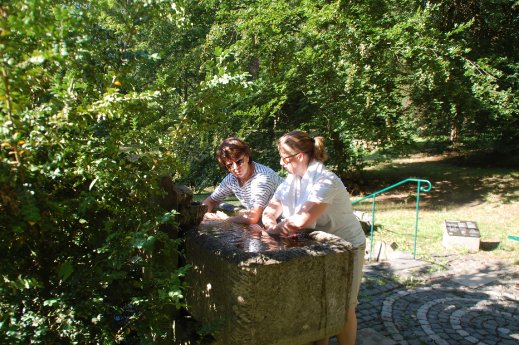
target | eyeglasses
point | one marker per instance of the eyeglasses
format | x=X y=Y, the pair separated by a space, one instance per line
x=238 y=163
x=285 y=159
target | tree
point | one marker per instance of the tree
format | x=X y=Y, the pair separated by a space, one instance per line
x=473 y=96
x=99 y=100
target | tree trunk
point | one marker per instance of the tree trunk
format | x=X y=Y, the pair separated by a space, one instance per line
x=455 y=135
x=338 y=147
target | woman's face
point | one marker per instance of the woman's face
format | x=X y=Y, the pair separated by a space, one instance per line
x=289 y=160
x=239 y=167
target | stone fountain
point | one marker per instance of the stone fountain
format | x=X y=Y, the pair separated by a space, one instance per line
x=254 y=289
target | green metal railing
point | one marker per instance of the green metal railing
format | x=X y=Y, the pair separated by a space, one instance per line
x=419 y=188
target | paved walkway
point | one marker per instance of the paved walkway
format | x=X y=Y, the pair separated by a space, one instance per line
x=464 y=301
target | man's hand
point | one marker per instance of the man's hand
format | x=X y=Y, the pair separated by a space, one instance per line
x=218 y=215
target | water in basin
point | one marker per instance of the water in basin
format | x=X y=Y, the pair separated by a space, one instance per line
x=252 y=238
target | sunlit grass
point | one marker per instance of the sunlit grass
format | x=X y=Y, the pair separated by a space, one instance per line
x=398 y=226
x=485 y=195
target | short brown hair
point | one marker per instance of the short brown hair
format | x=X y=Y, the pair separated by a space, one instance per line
x=232 y=148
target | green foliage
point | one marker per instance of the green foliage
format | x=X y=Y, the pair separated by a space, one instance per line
x=473 y=93
x=101 y=99
x=85 y=138
x=368 y=75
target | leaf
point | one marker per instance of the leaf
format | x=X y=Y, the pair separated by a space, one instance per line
x=141 y=241
x=50 y=302
x=65 y=270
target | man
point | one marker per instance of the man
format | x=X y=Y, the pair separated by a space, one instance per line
x=252 y=183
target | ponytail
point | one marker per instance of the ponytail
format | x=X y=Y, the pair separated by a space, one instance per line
x=298 y=141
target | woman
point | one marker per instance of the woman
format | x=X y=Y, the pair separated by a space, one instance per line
x=252 y=183
x=312 y=197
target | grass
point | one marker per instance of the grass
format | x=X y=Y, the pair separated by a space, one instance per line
x=463 y=189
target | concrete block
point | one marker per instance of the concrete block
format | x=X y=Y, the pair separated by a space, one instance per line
x=461 y=234
x=278 y=296
x=364 y=220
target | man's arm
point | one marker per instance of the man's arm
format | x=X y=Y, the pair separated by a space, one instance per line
x=211 y=204
x=250 y=216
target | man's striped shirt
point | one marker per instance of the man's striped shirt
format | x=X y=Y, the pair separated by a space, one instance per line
x=256 y=192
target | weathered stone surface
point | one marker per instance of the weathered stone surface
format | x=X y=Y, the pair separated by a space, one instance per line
x=284 y=296
x=365 y=221
x=180 y=198
x=176 y=195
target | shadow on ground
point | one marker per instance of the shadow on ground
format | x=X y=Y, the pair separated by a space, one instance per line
x=457 y=302
x=455 y=179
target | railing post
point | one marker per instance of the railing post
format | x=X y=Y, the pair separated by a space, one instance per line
x=371 y=228
x=416 y=216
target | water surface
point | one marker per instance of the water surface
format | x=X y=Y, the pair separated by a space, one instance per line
x=252 y=238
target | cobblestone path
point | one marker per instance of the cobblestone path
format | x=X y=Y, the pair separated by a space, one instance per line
x=409 y=307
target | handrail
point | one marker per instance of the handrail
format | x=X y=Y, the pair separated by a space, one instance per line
x=419 y=189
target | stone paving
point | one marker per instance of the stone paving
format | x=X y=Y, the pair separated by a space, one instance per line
x=464 y=301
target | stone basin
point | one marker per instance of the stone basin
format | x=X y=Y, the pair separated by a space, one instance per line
x=253 y=289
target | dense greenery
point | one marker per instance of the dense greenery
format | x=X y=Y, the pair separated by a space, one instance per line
x=100 y=99
x=85 y=137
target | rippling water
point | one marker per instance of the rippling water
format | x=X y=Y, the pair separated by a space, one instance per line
x=252 y=238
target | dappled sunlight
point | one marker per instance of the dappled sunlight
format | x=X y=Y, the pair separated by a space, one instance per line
x=443 y=300
x=452 y=184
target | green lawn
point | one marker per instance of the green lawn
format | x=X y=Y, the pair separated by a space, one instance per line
x=484 y=194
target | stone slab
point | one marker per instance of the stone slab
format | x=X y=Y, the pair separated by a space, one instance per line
x=400 y=264
x=475 y=274
x=475 y=279
x=461 y=234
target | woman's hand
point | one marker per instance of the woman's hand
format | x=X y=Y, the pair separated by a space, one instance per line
x=271 y=225
x=271 y=214
x=280 y=229
x=273 y=231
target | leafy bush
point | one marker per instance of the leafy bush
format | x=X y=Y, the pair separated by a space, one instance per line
x=88 y=255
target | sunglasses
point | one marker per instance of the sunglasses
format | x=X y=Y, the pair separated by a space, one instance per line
x=285 y=159
x=238 y=163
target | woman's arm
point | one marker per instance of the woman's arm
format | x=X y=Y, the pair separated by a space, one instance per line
x=271 y=213
x=306 y=217
x=251 y=216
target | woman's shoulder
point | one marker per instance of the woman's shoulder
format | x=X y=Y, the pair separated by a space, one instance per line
x=328 y=176
x=229 y=179
x=264 y=174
